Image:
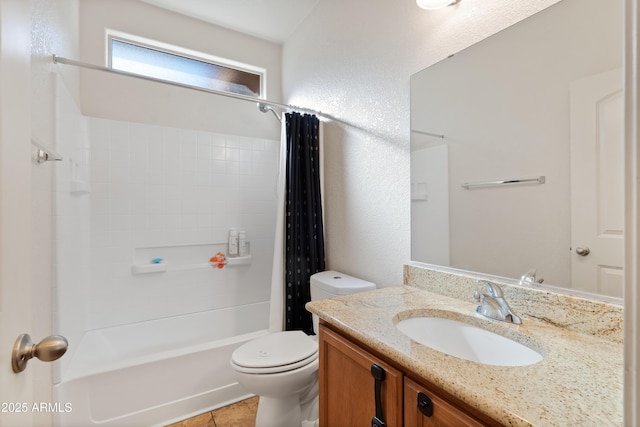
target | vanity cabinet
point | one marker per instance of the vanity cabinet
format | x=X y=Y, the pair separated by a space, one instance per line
x=350 y=397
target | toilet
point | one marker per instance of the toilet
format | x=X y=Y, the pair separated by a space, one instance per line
x=282 y=367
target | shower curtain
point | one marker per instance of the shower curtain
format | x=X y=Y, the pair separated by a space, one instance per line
x=300 y=231
x=276 y=309
x=304 y=235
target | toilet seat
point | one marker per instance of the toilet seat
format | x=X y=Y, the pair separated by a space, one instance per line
x=276 y=352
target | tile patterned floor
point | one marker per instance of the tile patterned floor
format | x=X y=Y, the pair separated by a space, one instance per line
x=241 y=414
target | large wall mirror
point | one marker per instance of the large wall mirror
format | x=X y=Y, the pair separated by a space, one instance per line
x=517 y=152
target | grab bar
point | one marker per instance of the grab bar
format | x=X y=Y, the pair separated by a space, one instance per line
x=468 y=185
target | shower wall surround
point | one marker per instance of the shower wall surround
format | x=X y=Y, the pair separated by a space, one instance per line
x=123 y=186
x=71 y=223
x=155 y=186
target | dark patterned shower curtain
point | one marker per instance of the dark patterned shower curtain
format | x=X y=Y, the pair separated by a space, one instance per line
x=304 y=236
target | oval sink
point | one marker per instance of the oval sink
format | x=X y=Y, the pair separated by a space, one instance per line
x=468 y=342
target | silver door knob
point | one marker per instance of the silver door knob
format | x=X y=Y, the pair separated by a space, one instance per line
x=49 y=349
x=583 y=251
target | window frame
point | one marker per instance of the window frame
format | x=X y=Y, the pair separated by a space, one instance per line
x=185 y=53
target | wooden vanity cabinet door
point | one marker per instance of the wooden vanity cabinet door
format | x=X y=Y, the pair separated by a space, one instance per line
x=346 y=386
x=444 y=413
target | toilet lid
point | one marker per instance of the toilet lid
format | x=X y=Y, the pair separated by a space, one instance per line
x=274 y=350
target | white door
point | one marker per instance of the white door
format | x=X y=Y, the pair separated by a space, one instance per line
x=17 y=391
x=597 y=183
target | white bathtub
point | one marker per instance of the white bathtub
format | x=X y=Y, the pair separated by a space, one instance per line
x=156 y=372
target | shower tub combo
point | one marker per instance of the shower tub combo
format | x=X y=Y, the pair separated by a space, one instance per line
x=156 y=372
x=151 y=346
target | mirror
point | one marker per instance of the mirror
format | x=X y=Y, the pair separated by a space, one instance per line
x=532 y=120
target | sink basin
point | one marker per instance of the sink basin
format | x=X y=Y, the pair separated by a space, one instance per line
x=468 y=342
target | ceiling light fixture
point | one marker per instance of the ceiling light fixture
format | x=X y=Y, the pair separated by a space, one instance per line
x=436 y=4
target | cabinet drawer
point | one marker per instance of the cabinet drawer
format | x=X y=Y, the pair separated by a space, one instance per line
x=444 y=414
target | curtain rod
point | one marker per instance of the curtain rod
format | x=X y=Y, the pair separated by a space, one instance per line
x=66 y=61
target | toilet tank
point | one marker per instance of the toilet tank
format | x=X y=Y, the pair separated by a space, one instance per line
x=329 y=284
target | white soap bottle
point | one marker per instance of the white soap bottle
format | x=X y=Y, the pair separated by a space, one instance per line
x=243 y=249
x=233 y=243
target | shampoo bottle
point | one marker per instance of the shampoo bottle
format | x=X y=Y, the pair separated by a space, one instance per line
x=243 y=249
x=233 y=243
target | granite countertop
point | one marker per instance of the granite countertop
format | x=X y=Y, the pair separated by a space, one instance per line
x=579 y=382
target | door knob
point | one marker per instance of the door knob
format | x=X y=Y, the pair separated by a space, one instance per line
x=583 y=251
x=47 y=350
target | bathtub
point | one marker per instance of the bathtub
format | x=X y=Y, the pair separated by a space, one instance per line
x=156 y=372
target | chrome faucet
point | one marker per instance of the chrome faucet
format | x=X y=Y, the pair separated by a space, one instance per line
x=493 y=304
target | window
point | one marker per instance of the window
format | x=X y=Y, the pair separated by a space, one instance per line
x=158 y=60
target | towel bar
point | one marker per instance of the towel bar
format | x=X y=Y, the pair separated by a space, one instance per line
x=468 y=185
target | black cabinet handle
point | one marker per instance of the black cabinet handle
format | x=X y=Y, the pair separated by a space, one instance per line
x=425 y=404
x=379 y=376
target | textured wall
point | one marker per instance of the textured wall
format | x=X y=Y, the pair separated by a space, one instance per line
x=353 y=59
x=54 y=30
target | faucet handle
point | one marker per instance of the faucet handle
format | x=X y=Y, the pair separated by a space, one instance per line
x=492 y=289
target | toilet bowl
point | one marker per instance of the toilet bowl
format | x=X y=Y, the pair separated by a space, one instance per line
x=282 y=367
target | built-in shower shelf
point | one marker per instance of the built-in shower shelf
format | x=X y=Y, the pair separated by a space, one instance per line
x=149 y=268
x=164 y=266
x=171 y=258
x=239 y=260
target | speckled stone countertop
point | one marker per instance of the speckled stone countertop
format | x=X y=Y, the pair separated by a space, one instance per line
x=578 y=383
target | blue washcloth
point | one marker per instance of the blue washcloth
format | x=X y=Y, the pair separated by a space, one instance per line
x=157 y=260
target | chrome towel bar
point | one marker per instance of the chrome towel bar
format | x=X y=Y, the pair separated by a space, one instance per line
x=468 y=185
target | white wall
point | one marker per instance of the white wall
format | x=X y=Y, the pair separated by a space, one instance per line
x=123 y=98
x=353 y=59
